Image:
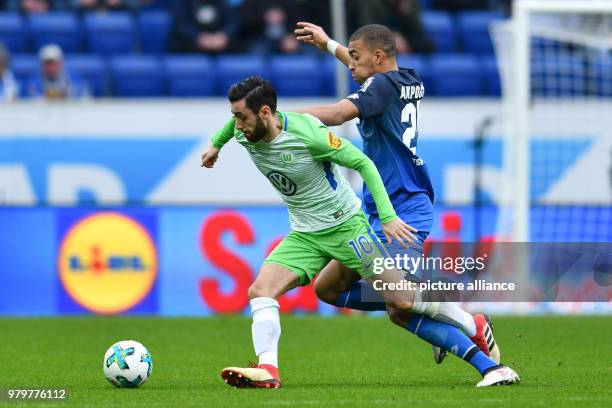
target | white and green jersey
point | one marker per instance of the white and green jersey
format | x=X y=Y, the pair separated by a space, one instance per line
x=302 y=165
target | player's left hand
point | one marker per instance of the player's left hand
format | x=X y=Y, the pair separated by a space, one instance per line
x=310 y=33
x=209 y=157
x=398 y=230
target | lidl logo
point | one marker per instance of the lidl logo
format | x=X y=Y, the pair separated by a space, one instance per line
x=107 y=262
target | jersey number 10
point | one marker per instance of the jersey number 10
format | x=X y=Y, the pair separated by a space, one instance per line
x=409 y=116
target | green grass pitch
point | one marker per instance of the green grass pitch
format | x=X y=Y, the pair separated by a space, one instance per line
x=345 y=361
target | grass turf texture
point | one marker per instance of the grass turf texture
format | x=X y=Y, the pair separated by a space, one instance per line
x=340 y=361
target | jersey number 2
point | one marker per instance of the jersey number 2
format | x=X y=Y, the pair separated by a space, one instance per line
x=409 y=116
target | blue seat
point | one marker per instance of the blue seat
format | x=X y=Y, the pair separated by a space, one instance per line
x=413 y=61
x=13 y=33
x=136 y=76
x=329 y=77
x=109 y=33
x=24 y=66
x=296 y=75
x=455 y=75
x=93 y=70
x=440 y=27
x=154 y=29
x=418 y=62
x=190 y=76
x=492 y=85
x=234 y=68
x=473 y=30
x=56 y=28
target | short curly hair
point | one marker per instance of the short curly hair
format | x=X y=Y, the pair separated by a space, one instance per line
x=256 y=92
x=376 y=36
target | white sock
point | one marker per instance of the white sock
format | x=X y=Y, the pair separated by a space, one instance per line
x=446 y=312
x=266 y=329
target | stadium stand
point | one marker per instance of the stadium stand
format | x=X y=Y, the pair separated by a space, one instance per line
x=492 y=85
x=296 y=75
x=13 y=33
x=154 y=31
x=59 y=28
x=440 y=26
x=454 y=75
x=136 y=76
x=190 y=76
x=233 y=68
x=109 y=33
x=473 y=30
x=93 y=70
x=106 y=48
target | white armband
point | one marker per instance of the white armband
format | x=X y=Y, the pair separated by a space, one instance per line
x=331 y=47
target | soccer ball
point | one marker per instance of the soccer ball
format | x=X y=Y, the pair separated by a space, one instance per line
x=127 y=364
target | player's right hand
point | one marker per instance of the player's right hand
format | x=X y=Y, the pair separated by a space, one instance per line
x=310 y=33
x=398 y=230
x=209 y=157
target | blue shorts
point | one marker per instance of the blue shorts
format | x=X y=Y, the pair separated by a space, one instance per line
x=417 y=212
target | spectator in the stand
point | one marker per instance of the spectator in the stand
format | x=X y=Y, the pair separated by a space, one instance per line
x=53 y=80
x=409 y=32
x=9 y=88
x=32 y=6
x=266 y=26
x=105 y=5
x=308 y=10
x=403 y=17
x=202 y=26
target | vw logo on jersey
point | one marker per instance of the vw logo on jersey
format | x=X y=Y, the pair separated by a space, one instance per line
x=282 y=183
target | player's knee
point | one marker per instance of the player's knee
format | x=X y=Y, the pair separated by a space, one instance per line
x=394 y=315
x=397 y=316
x=258 y=290
x=401 y=305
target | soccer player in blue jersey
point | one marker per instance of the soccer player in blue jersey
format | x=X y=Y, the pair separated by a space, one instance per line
x=387 y=106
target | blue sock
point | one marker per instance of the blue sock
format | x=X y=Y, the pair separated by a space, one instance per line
x=450 y=339
x=353 y=299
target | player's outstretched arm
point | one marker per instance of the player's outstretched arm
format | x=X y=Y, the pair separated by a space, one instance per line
x=334 y=114
x=324 y=145
x=219 y=139
x=309 y=33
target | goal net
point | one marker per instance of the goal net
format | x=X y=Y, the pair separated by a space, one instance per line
x=555 y=62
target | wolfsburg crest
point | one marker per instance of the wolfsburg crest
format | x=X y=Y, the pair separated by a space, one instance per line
x=286 y=157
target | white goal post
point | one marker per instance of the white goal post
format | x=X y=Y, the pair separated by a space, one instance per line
x=523 y=27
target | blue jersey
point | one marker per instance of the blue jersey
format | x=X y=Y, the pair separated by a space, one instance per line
x=388 y=109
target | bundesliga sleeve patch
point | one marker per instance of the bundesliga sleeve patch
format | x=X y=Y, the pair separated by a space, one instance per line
x=333 y=141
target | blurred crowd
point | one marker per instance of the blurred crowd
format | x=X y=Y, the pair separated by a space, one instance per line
x=232 y=26
x=221 y=26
